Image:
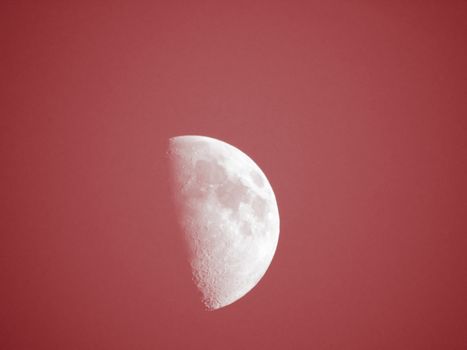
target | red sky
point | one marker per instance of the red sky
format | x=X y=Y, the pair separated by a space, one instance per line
x=355 y=110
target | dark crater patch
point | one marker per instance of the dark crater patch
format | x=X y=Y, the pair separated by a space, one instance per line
x=259 y=206
x=209 y=173
x=231 y=193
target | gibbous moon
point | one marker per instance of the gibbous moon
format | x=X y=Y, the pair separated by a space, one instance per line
x=229 y=216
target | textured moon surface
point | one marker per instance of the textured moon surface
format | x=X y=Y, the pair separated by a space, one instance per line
x=228 y=214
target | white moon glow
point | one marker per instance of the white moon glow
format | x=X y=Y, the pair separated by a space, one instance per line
x=229 y=216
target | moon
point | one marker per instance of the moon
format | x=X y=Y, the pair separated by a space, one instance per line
x=228 y=214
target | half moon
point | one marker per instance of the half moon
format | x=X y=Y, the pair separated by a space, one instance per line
x=228 y=214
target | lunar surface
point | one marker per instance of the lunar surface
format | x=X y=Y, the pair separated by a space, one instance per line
x=228 y=214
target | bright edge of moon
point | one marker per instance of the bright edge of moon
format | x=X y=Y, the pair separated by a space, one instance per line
x=228 y=214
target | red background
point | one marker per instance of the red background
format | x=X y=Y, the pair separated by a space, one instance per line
x=355 y=110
